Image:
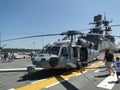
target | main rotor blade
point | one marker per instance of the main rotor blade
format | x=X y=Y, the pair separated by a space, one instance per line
x=29 y=37
x=71 y=32
x=95 y=34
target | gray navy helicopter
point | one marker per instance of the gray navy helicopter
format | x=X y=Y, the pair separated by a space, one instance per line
x=76 y=48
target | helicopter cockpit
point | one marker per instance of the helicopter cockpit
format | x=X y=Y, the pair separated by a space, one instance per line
x=50 y=49
x=51 y=56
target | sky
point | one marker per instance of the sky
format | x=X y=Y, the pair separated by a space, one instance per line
x=19 y=18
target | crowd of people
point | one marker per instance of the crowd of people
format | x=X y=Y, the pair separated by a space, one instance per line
x=8 y=57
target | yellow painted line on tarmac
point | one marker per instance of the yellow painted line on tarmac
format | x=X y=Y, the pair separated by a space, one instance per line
x=51 y=81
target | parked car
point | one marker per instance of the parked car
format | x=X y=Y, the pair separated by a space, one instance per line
x=18 y=56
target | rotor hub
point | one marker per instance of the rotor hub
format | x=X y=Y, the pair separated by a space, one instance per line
x=71 y=32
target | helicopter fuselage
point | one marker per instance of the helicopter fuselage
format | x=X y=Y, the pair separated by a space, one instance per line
x=60 y=55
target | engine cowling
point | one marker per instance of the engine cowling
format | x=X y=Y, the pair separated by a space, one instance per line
x=85 y=43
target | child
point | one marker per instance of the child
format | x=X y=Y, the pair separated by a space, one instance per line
x=117 y=67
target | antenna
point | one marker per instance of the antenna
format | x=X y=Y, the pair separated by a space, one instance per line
x=104 y=16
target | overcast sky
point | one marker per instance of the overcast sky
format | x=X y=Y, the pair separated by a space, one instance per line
x=20 y=18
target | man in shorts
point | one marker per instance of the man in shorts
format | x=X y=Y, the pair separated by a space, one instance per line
x=108 y=59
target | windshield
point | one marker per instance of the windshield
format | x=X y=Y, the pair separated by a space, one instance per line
x=51 y=50
x=45 y=49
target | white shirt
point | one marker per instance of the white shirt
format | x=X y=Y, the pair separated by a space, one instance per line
x=117 y=66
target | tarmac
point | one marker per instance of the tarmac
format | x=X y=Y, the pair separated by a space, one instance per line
x=91 y=77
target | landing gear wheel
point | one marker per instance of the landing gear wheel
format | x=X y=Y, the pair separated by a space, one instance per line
x=78 y=65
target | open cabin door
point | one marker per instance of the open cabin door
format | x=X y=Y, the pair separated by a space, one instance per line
x=83 y=55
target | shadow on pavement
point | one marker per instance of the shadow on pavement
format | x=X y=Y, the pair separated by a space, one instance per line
x=44 y=74
x=66 y=84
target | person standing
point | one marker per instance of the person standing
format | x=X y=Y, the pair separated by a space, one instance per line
x=117 y=68
x=9 y=57
x=109 y=59
x=5 y=57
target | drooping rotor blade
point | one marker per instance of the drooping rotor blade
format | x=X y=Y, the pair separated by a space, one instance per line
x=4 y=45
x=68 y=33
x=29 y=37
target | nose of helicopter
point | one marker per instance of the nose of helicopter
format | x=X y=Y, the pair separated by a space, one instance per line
x=46 y=61
x=53 y=61
x=39 y=61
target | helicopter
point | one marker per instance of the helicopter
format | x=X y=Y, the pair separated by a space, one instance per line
x=75 y=48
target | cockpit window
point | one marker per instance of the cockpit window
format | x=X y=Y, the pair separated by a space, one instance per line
x=64 y=51
x=51 y=50
x=54 y=50
x=45 y=49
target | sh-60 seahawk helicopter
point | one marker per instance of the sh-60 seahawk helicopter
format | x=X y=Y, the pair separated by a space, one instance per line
x=71 y=52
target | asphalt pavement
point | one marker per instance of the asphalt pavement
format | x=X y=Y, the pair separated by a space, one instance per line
x=93 y=77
